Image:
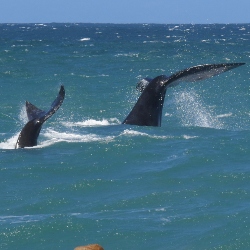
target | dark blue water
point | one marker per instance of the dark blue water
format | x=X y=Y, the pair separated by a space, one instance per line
x=184 y=185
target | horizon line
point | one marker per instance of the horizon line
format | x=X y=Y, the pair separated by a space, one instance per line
x=118 y=23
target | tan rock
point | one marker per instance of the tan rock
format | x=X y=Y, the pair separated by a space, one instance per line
x=90 y=247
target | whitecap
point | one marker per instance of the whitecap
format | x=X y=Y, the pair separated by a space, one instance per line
x=84 y=39
x=130 y=132
x=187 y=137
x=127 y=55
x=224 y=115
x=23 y=218
x=133 y=132
x=92 y=123
x=173 y=28
x=40 y=24
x=206 y=41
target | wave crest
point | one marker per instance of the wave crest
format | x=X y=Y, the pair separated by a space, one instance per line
x=92 y=123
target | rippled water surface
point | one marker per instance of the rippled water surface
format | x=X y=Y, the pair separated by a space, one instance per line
x=184 y=185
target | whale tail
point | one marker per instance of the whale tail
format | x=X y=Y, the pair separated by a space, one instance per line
x=200 y=72
x=192 y=74
x=30 y=132
x=148 y=108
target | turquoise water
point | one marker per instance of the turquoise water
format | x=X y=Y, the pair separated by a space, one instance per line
x=184 y=185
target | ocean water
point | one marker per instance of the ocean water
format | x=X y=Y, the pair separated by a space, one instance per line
x=184 y=185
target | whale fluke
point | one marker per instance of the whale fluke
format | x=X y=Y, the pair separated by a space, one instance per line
x=148 y=108
x=30 y=132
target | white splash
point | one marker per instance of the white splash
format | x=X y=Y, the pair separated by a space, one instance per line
x=92 y=123
x=23 y=115
x=9 y=143
x=129 y=132
x=193 y=112
x=55 y=136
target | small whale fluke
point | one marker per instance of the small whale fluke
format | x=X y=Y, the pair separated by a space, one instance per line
x=148 y=108
x=30 y=132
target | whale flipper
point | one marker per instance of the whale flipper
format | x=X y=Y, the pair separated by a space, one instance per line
x=30 y=132
x=148 y=108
